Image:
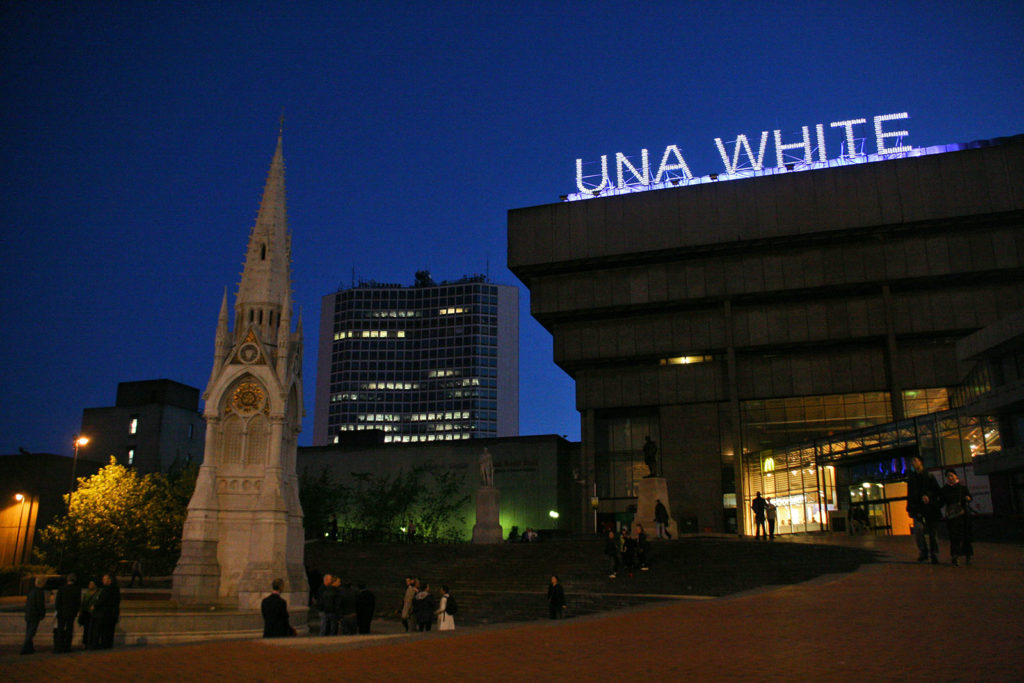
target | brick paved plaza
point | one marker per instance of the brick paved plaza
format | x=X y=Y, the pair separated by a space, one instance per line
x=891 y=620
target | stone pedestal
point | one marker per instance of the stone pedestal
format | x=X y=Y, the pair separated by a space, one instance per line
x=653 y=489
x=488 y=505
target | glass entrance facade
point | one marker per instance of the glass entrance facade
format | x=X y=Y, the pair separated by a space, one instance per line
x=859 y=476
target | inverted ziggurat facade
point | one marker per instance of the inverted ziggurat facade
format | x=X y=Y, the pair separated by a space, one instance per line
x=729 y=320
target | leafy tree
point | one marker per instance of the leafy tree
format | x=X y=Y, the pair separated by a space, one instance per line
x=118 y=514
x=322 y=497
x=382 y=504
x=439 y=502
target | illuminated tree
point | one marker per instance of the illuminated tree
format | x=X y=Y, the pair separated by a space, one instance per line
x=118 y=515
x=379 y=505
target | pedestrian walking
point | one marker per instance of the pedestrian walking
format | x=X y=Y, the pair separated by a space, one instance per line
x=957 y=501
x=556 y=599
x=923 y=500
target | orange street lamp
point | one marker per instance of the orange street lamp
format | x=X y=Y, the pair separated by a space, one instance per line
x=79 y=441
x=20 y=497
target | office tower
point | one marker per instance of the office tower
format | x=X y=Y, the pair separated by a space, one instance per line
x=427 y=362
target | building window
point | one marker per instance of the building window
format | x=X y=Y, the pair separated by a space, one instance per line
x=131 y=457
x=133 y=425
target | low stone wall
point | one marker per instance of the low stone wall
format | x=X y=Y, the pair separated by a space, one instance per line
x=154 y=627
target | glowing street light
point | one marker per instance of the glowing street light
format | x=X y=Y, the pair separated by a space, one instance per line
x=79 y=442
x=18 y=541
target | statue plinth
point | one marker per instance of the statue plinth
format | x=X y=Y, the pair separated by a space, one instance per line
x=653 y=489
x=488 y=505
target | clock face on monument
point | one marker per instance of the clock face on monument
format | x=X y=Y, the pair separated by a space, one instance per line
x=248 y=397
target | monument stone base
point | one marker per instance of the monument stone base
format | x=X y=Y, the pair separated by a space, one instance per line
x=488 y=505
x=653 y=489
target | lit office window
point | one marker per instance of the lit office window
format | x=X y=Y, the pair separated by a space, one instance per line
x=133 y=425
x=685 y=360
x=131 y=457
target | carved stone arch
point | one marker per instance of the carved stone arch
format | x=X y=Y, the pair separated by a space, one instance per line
x=245 y=397
x=257 y=437
x=231 y=451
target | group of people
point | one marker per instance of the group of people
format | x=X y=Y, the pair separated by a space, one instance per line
x=625 y=551
x=528 y=536
x=344 y=609
x=764 y=511
x=418 y=604
x=97 y=611
x=925 y=503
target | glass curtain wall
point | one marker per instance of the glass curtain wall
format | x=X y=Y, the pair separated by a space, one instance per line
x=802 y=480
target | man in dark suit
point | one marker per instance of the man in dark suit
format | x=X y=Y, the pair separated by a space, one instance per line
x=365 y=604
x=106 y=612
x=35 y=610
x=66 y=605
x=275 y=613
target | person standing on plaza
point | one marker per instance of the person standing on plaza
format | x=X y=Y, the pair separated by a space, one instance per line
x=136 y=573
x=327 y=605
x=611 y=550
x=641 y=547
x=759 y=507
x=770 y=514
x=366 y=602
x=35 y=610
x=923 y=501
x=66 y=605
x=274 y=609
x=85 y=615
x=423 y=607
x=957 y=501
x=410 y=593
x=556 y=599
x=106 y=612
x=661 y=520
x=347 y=617
x=445 y=621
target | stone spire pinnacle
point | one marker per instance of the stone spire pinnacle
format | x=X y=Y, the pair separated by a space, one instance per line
x=265 y=289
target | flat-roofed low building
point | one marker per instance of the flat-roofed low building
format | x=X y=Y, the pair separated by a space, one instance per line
x=152 y=426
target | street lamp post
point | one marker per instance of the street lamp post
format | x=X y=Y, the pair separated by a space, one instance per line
x=79 y=441
x=20 y=497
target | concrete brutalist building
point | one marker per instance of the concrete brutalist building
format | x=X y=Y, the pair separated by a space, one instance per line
x=726 y=318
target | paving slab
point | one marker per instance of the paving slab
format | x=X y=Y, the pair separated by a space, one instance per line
x=896 y=619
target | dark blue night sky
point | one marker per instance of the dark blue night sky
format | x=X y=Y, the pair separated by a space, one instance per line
x=137 y=137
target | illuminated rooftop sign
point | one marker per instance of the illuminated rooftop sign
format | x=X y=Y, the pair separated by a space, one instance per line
x=807 y=151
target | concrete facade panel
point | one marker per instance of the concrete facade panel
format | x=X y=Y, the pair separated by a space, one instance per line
x=657 y=282
x=801 y=260
x=774 y=273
